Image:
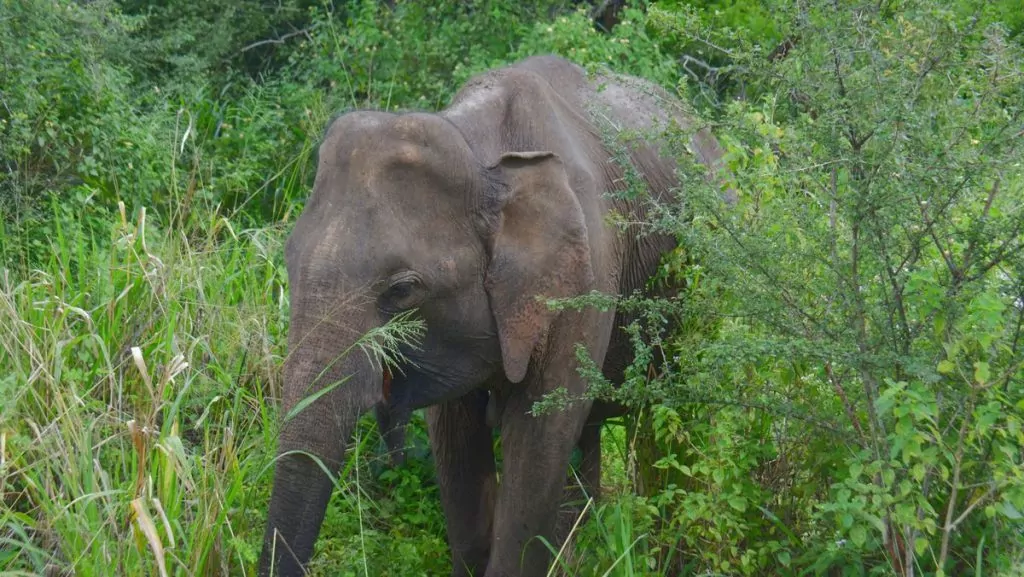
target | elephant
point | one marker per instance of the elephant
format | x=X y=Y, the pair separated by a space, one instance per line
x=470 y=218
x=392 y=431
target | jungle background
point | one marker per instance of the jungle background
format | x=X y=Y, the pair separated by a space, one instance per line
x=844 y=394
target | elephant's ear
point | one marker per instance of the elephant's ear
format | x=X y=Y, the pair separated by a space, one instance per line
x=539 y=248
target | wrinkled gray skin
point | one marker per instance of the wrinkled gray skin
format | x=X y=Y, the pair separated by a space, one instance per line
x=467 y=216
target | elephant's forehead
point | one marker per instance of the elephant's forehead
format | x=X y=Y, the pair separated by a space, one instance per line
x=409 y=175
x=372 y=161
x=359 y=241
x=359 y=232
x=388 y=202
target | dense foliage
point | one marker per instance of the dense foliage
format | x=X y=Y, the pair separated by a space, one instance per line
x=858 y=312
x=843 y=390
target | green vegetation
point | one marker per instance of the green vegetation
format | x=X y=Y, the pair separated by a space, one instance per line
x=845 y=394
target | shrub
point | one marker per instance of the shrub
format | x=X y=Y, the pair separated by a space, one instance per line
x=843 y=393
x=61 y=90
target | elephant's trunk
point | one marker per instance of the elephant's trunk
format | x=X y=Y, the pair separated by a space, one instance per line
x=391 y=425
x=315 y=430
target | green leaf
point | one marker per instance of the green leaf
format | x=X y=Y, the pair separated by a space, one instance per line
x=783 y=557
x=1010 y=511
x=738 y=503
x=309 y=400
x=920 y=545
x=856 y=468
x=981 y=372
x=918 y=472
x=718 y=476
x=859 y=535
x=946 y=366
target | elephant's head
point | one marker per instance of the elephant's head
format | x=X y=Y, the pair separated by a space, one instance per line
x=404 y=216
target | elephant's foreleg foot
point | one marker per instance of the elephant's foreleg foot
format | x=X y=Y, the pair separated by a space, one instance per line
x=464 y=456
x=536 y=458
x=583 y=484
x=590 y=467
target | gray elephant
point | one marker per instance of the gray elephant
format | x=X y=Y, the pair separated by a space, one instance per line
x=468 y=216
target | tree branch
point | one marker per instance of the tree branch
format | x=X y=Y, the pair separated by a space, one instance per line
x=278 y=40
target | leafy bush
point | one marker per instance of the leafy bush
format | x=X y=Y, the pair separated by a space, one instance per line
x=176 y=42
x=61 y=90
x=844 y=391
x=627 y=48
x=412 y=55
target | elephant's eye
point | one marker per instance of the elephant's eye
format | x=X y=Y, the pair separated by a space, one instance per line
x=403 y=293
x=400 y=291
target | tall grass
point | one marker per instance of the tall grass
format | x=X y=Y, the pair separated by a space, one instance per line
x=135 y=412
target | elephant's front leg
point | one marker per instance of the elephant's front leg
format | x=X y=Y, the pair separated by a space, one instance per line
x=536 y=454
x=590 y=466
x=464 y=455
